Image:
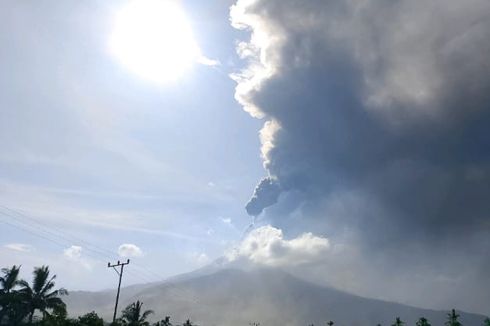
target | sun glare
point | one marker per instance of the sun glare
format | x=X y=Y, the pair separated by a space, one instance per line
x=153 y=39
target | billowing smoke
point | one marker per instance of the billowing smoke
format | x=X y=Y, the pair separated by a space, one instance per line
x=377 y=131
x=266 y=246
x=265 y=194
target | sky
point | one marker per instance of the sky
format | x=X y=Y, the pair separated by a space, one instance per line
x=91 y=151
x=353 y=135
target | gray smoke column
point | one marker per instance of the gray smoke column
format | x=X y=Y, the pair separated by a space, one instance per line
x=377 y=124
x=376 y=98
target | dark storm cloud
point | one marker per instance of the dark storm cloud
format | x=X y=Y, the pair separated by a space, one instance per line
x=389 y=99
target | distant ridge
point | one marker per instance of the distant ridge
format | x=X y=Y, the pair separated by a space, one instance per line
x=224 y=297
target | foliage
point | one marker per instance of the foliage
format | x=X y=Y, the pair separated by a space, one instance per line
x=90 y=319
x=422 y=322
x=188 y=323
x=41 y=296
x=486 y=322
x=132 y=315
x=19 y=305
x=452 y=319
x=398 y=322
x=164 y=322
x=57 y=318
x=8 y=297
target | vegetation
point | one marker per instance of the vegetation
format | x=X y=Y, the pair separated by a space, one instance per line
x=452 y=319
x=422 y=322
x=132 y=315
x=41 y=296
x=41 y=304
x=164 y=322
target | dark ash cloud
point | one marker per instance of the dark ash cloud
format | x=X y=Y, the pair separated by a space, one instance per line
x=378 y=115
x=265 y=194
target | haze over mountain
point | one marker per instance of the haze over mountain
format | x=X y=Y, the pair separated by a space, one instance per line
x=228 y=296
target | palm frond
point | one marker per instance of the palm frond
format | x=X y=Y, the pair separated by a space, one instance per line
x=41 y=275
x=49 y=285
x=146 y=314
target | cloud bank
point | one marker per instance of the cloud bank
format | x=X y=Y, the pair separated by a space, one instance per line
x=377 y=116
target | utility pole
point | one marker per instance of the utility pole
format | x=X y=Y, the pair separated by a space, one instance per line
x=120 y=273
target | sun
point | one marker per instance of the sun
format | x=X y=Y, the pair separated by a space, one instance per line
x=153 y=39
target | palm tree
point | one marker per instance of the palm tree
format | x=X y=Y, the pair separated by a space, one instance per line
x=398 y=322
x=164 y=322
x=8 y=297
x=9 y=279
x=422 y=322
x=132 y=316
x=41 y=296
x=188 y=323
x=452 y=319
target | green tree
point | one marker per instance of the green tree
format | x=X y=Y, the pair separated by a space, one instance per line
x=486 y=322
x=452 y=319
x=41 y=296
x=398 y=322
x=164 y=322
x=10 y=300
x=133 y=315
x=90 y=319
x=58 y=317
x=8 y=281
x=330 y=323
x=188 y=323
x=422 y=322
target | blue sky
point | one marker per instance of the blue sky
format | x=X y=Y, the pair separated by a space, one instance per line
x=107 y=157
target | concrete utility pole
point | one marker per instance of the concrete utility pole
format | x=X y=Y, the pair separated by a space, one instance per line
x=119 y=286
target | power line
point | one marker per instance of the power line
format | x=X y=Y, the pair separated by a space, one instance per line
x=102 y=252
x=64 y=242
x=43 y=232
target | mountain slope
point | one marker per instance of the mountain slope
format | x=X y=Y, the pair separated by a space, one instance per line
x=271 y=297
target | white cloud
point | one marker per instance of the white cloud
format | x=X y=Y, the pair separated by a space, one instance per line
x=197 y=259
x=226 y=220
x=74 y=252
x=208 y=62
x=203 y=259
x=22 y=247
x=200 y=259
x=129 y=250
x=267 y=246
